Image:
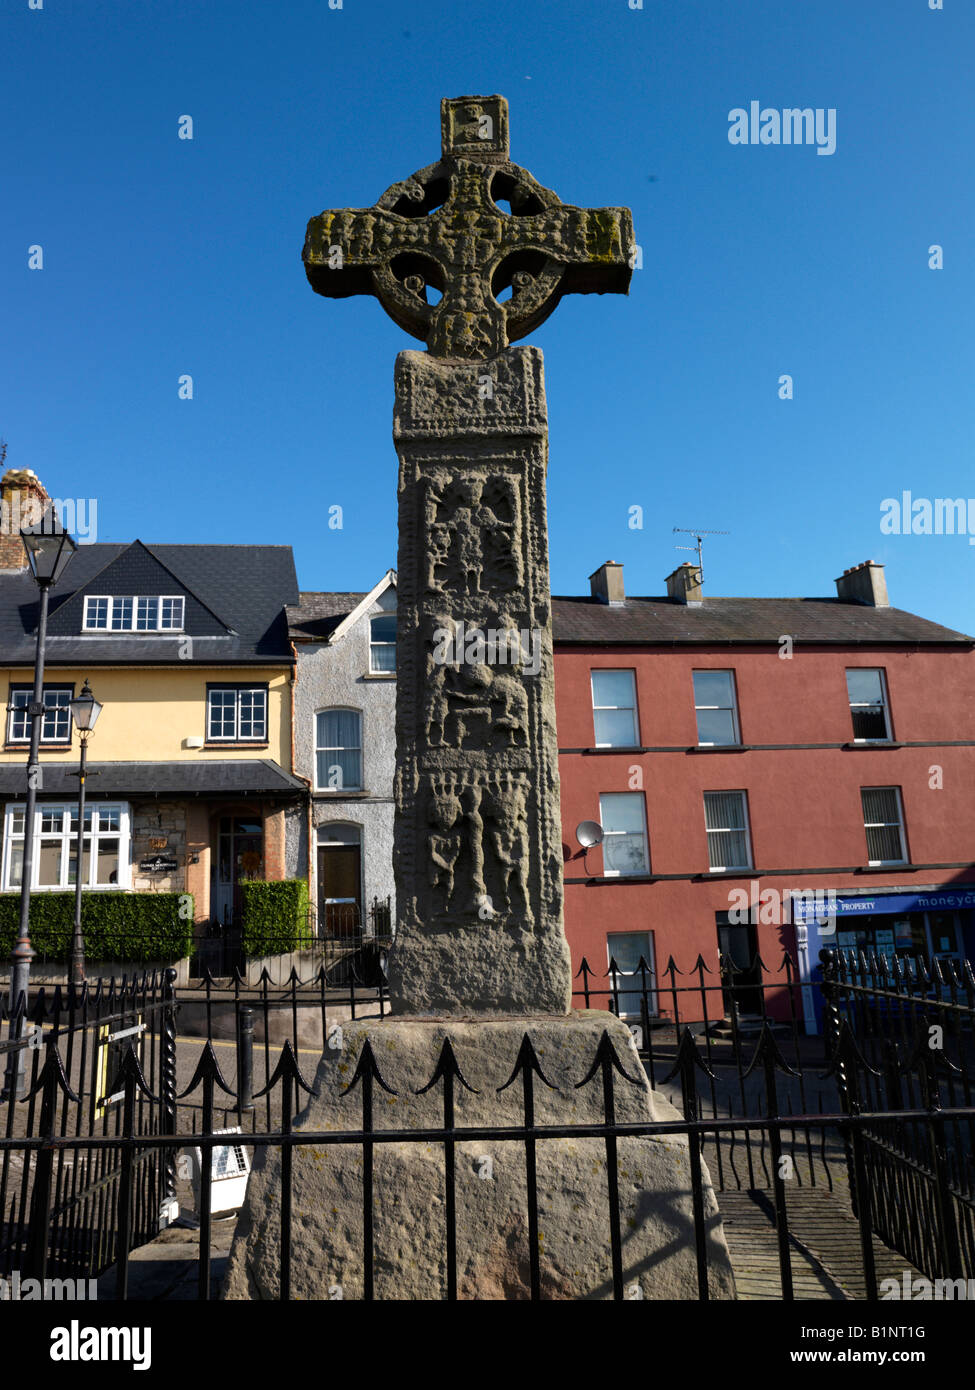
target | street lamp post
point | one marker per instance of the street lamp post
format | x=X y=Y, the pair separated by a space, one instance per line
x=85 y=710
x=49 y=548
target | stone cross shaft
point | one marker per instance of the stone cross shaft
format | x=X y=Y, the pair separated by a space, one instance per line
x=444 y=232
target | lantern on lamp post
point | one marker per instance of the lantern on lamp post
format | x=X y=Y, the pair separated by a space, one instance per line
x=85 y=710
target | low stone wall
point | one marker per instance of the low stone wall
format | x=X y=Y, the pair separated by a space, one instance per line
x=191 y=1021
x=50 y=973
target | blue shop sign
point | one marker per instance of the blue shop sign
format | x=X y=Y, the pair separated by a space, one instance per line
x=944 y=900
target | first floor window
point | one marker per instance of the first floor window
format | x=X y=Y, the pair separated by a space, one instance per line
x=105 y=855
x=614 y=709
x=624 y=821
x=626 y=950
x=884 y=824
x=56 y=726
x=382 y=643
x=338 y=750
x=726 y=821
x=237 y=714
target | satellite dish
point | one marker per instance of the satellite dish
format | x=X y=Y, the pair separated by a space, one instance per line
x=589 y=833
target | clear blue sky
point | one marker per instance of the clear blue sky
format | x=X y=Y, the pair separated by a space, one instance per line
x=164 y=256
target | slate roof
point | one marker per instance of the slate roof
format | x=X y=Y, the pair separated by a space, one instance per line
x=667 y=622
x=235 y=597
x=244 y=776
x=316 y=615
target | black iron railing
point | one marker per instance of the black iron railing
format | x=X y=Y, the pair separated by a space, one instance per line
x=868 y=1113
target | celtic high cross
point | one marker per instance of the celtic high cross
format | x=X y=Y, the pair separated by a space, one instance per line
x=444 y=231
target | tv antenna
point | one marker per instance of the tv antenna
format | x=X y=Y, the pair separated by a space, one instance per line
x=698 y=533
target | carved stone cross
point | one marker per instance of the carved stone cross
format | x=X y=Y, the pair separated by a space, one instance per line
x=444 y=230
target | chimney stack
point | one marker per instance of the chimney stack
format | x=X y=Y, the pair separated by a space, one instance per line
x=23 y=498
x=606 y=584
x=684 y=584
x=864 y=584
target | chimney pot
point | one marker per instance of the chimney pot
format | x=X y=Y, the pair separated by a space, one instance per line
x=22 y=501
x=864 y=583
x=606 y=584
x=684 y=584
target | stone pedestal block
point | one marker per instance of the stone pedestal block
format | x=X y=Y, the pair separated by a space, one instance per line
x=492 y=1214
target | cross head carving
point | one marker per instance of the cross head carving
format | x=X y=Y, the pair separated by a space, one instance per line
x=440 y=249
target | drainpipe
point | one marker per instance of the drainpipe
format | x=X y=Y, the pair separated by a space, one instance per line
x=312 y=907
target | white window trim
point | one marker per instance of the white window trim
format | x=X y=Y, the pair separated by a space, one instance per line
x=69 y=840
x=615 y=670
x=340 y=709
x=888 y=736
x=618 y=873
x=653 y=1007
x=237 y=736
x=729 y=868
x=886 y=863
x=62 y=688
x=375 y=670
x=111 y=600
x=722 y=670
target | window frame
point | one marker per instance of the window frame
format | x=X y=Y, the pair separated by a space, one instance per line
x=237 y=688
x=23 y=741
x=646 y=871
x=330 y=748
x=749 y=866
x=650 y=956
x=373 y=669
x=616 y=671
x=885 y=701
x=68 y=838
x=733 y=707
x=876 y=825
x=133 y=600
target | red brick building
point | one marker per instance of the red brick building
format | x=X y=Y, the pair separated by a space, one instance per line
x=736 y=750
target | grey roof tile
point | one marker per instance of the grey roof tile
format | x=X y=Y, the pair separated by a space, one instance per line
x=187 y=778
x=666 y=622
x=239 y=594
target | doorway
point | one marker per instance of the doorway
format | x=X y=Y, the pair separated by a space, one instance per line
x=340 y=880
x=738 y=943
x=239 y=858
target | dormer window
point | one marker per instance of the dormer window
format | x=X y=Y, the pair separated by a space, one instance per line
x=138 y=613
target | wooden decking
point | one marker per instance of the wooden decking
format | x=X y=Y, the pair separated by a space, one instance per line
x=824 y=1246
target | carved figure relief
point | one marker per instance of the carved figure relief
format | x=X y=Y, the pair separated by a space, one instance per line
x=479 y=849
x=474 y=535
x=477 y=707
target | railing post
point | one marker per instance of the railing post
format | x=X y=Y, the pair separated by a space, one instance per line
x=167 y=1077
x=40 y=1202
x=245 y=1062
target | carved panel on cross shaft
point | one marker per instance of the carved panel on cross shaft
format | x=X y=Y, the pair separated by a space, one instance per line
x=478 y=855
x=474 y=535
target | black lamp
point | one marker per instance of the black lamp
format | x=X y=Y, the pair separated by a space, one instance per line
x=49 y=547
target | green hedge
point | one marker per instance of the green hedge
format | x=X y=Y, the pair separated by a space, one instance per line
x=116 y=926
x=274 y=916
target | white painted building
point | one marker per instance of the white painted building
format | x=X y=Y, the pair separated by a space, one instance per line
x=345 y=747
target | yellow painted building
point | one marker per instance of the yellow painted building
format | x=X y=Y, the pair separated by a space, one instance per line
x=187 y=650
